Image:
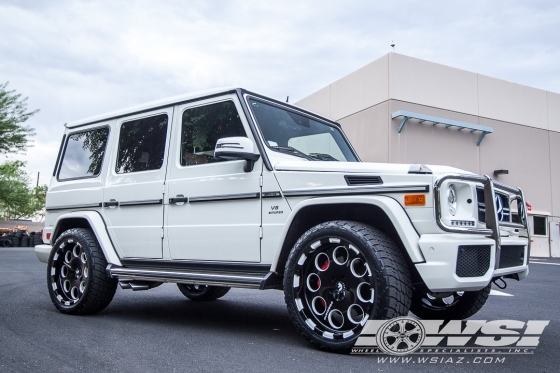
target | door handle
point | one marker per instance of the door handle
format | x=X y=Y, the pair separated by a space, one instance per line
x=179 y=200
x=112 y=203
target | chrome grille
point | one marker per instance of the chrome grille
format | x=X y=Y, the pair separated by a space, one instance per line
x=503 y=209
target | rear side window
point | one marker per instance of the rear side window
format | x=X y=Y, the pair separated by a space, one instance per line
x=83 y=156
x=142 y=144
x=203 y=126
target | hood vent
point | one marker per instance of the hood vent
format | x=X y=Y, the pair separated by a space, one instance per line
x=363 y=180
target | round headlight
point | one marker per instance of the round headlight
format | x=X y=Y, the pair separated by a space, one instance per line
x=452 y=199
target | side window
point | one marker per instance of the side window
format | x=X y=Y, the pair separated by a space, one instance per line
x=539 y=225
x=142 y=144
x=203 y=126
x=83 y=155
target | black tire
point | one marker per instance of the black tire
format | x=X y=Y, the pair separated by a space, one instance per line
x=16 y=242
x=203 y=292
x=339 y=275
x=448 y=306
x=76 y=278
x=7 y=243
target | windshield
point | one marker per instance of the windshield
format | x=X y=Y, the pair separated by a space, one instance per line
x=301 y=136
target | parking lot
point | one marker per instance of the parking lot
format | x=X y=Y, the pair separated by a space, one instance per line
x=159 y=330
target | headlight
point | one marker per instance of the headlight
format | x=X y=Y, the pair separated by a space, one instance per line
x=452 y=199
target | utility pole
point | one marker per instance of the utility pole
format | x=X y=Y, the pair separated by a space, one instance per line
x=38 y=173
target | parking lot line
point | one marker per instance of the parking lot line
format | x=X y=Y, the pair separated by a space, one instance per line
x=497 y=292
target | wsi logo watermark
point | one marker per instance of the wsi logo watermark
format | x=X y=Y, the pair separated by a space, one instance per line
x=405 y=335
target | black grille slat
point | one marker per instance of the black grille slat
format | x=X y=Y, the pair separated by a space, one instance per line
x=363 y=180
x=512 y=256
x=473 y=261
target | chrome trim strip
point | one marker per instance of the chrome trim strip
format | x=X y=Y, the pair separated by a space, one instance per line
x=354 y=191
x=224 y=197
x=144 y=202
x=203 y=278
x=271 y=194
x=68 y=207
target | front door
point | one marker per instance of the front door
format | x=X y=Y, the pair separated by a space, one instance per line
x=133 y=197
x=218 y=213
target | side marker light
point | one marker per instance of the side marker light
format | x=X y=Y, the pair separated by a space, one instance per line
x=415 y=200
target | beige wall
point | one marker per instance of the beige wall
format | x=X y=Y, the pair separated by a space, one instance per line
x=553 y=106
x=368 y=131
x=318 y=102
x=525 y=152
x=364 y=88
x=554 y=140
x=361 y=89
x=511 y=102
x=432 y=84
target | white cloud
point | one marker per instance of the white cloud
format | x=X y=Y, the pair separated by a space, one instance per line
x=79 y=58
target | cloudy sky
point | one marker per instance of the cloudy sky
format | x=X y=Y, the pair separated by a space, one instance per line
x=74 y=59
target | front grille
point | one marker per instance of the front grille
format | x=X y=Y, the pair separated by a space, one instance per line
x=473 y=261
x=363 y=180
x=502 y=206
x=512 y=256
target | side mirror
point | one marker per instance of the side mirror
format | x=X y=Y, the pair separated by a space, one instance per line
x=237 y=148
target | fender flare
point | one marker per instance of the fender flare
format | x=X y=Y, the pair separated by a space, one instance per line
x=391 y=207
x=99 y=228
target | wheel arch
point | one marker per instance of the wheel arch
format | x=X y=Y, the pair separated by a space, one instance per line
x=90 y=220
x=379 y=211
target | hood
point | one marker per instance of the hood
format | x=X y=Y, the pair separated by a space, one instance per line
x=360 y=167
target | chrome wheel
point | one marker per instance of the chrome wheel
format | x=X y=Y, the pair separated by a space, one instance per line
x=401 y=336
x=441 y=301
x=457 y=305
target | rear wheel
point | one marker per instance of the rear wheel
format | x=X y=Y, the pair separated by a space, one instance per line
x=448 y=306
x=338 y=276
x=76 y=277
x=203 y=292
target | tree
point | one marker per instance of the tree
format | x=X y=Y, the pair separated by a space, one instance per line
x=14 y=136
x=17 y=199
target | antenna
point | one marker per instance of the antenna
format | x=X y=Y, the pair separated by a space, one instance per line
x=288 y=99
x=393 y=44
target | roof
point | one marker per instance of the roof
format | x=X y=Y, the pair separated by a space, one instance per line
x=152 y=105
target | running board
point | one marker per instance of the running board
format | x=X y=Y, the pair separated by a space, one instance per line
x=241 y=280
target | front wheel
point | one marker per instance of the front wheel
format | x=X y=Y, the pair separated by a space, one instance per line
x=76 y=277
x=448 y=306
x=202 y=292
x=341 y=274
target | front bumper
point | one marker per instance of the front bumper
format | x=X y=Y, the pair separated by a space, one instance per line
x=444 y=266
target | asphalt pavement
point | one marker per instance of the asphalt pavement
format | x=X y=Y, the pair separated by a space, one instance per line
x=159 y=330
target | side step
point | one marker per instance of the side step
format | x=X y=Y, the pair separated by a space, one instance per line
x=241 y=280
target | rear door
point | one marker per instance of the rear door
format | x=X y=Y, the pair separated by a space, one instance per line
x=133 y=197
x=222 y=218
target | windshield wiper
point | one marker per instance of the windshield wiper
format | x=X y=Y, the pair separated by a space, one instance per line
x=323 y=157
x=292 y=151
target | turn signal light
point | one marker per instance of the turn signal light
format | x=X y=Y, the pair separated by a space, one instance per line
x=48 y=235
x=414 y=200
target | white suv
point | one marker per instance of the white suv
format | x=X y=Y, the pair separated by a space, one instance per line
x=233 y=189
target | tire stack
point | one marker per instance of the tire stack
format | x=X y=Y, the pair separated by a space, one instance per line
x=35 y=239
x=16 y=240
x=24 y=239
